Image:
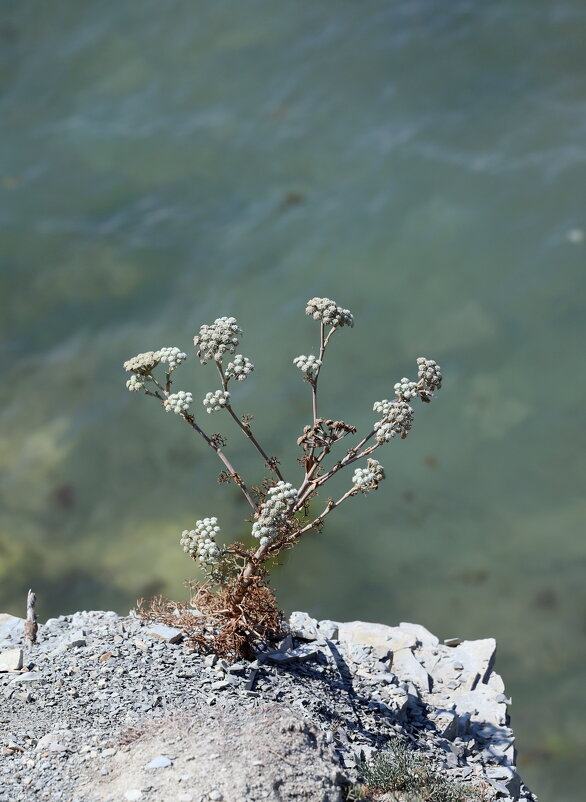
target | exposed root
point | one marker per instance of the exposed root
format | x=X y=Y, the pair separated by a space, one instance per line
x=214 y=624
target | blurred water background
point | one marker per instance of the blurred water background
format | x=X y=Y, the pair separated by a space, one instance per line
x=164 y=163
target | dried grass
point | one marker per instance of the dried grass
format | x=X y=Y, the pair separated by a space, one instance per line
x=212 y=622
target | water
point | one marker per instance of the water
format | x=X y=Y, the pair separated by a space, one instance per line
x=424 y=164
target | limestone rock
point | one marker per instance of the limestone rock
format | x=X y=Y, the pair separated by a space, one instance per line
x=11 y=660
x=163 y=632
x=365 y=633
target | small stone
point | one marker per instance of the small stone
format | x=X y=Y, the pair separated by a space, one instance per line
x=160 y=762
x=133 y=794
x=303 y=626
x=110 y=752
x=210 y=660
x=11 y=660
x=165 y=633
x=216 y=796
x=452 y=641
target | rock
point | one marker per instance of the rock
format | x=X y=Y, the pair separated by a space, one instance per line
x=476 y=656
x=409 y=669
x=504 y=776
x=303 y=626
x=446 y=723
x=365 y=633
x=422 y=634
x=165 y=633
x=482 y=706
x=53 y=739
x=328 y=629
x=160 y=762
x=11 y=629
x=76 y=641
x=11 y=660
x=300 y=653
x=133 y=794
x=29 y=676
x=452 y=641
x=216 y=796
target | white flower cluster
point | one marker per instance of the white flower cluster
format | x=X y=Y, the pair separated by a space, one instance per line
x=397 y=418
x=135 y=383
x=368 y=478
x=200 y=542
x=406 y=390
x=329 y=312
x=178 y=402
x=143 y=364
x=213 y=341
x=215 y=401
x=239 y=368
x=274 y=511
x=309 y=365
x=172 y=356
x=429 y=373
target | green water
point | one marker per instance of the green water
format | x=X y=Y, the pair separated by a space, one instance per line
x=423 y=163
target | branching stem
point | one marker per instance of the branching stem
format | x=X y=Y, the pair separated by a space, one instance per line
x=246 y=429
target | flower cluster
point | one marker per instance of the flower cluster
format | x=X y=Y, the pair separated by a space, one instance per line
x=178 y=402
x=200 y=543
x=329 y=312
x=309 y=365
x=172 y=356
x=135 y=383
x=405 y=390
x=278 y=503
x=429 y=374
x=239 y=368
x=397 y=418
x=213 y=341
x=143 y=364
x=217 y=400
x=368 y=478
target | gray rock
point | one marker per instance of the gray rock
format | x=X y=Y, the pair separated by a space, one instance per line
x=422 y=634
x=409 y=669
x=165 y=633
x=11 y=630
x=328 y=629
x=11 y=660
x=159 y=762
x=365 y=633
x=303 y=626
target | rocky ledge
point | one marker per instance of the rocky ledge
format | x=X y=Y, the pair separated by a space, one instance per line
x=105 y=707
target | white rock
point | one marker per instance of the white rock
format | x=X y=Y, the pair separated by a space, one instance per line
x=423 y=635
x=133 y=794
x=477 y=656
x=365 y=633
x=160 y=762
x=11 y=660
x=328 y=629
x=303 y=626
x=482 y=706
x=409 y=669
x=11 y=629
x=163 y=632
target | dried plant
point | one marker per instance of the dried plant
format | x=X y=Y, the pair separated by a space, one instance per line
x=235 y=606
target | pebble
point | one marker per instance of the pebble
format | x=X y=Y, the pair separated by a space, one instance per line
x=160 y=762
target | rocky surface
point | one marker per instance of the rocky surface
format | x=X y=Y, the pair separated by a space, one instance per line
x=105 y=707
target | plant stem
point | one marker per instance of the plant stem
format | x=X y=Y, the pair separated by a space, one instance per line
x=191 y=421
x=246 y=429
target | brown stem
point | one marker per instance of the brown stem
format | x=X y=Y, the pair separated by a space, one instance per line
x=246 y=429
x=190 y=420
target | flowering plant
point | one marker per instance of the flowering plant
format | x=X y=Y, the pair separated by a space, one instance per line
x=235 y=606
